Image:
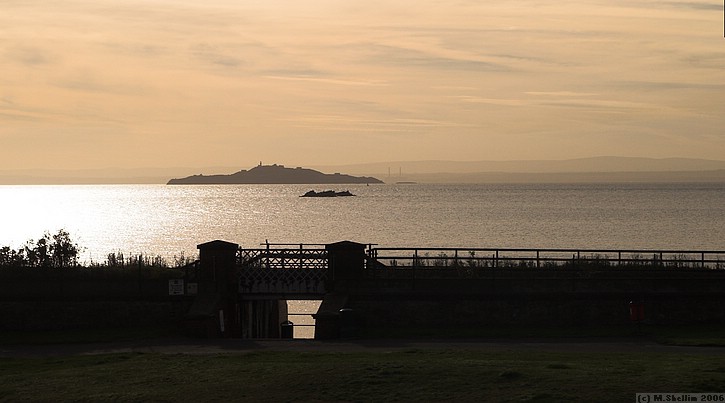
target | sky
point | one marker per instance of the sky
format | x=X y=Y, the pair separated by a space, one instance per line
x=87 y=84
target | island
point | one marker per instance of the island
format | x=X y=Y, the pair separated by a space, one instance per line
x=274 y=174
x=327 y=193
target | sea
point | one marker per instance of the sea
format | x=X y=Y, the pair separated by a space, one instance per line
x=168 y=221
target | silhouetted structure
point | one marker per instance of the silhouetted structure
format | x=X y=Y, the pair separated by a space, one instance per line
x=362 y=287
x=238 y=292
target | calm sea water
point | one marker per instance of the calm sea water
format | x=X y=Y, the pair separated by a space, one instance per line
x=167 y=220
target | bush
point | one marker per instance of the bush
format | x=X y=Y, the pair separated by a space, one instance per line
x=55 y=251
x=59 y=251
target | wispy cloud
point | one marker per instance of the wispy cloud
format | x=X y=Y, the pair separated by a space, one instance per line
x=709 y=60
x=601 y=105
x=356 y=123
x=561 y=93
x=322 y=80
x=493 y=101
x=665 y=85
x=30 y=56
x=566 y=100
x=412 y=58
x=96 y=82
x=696 y=5
x=213 y=55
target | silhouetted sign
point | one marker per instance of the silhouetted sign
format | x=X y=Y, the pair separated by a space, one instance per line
x=192 y=288
x=176 y=287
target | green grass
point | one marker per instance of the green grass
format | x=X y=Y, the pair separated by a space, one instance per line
x=689 y=335
x=413 y=375
x=684 y=335
x=434 y=374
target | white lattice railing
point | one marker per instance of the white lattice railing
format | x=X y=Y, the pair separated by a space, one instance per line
x=283 y=270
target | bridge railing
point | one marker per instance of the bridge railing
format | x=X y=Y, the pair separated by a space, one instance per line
x=299 y=269
x=381 y=258
x=284 y=256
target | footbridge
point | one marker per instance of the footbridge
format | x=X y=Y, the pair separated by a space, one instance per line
x=243 y=292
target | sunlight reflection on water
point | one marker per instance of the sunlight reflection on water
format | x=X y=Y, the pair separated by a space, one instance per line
x=168 y=220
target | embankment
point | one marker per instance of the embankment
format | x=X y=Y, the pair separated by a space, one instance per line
x=78 y=298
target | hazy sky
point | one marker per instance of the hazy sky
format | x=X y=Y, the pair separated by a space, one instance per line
x=153 y=83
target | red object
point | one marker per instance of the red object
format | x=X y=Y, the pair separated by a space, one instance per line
x=636 y=311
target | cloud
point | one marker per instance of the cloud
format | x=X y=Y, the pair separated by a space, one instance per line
x=30 y=56
x=567 y=100
x=406 y=57
x=561 y=93
x=711 y=60
x=664 y=86
x=347 y=123
x=16 y=116
x=322 y=80
x=694 y=5
x=91 y=81
x=213 y=55
x=299 y=72
x=11 y=109
x=601 y=105
x=138 y=48
x=493 y=101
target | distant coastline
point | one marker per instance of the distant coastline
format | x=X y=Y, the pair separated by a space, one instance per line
x=274 y=174
x=714 y=176
x=582 y=170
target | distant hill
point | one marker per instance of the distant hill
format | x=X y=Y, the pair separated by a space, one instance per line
x=712 y=176
x=579 y=170
x=576 y=165
x=274 y=174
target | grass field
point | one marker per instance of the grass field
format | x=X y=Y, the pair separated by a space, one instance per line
x=417 y=374
x=412 y=375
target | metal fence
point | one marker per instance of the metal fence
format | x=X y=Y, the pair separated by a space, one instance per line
x=315 y=257
x=381 y=258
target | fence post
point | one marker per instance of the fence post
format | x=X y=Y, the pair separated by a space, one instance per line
x=301 y=256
